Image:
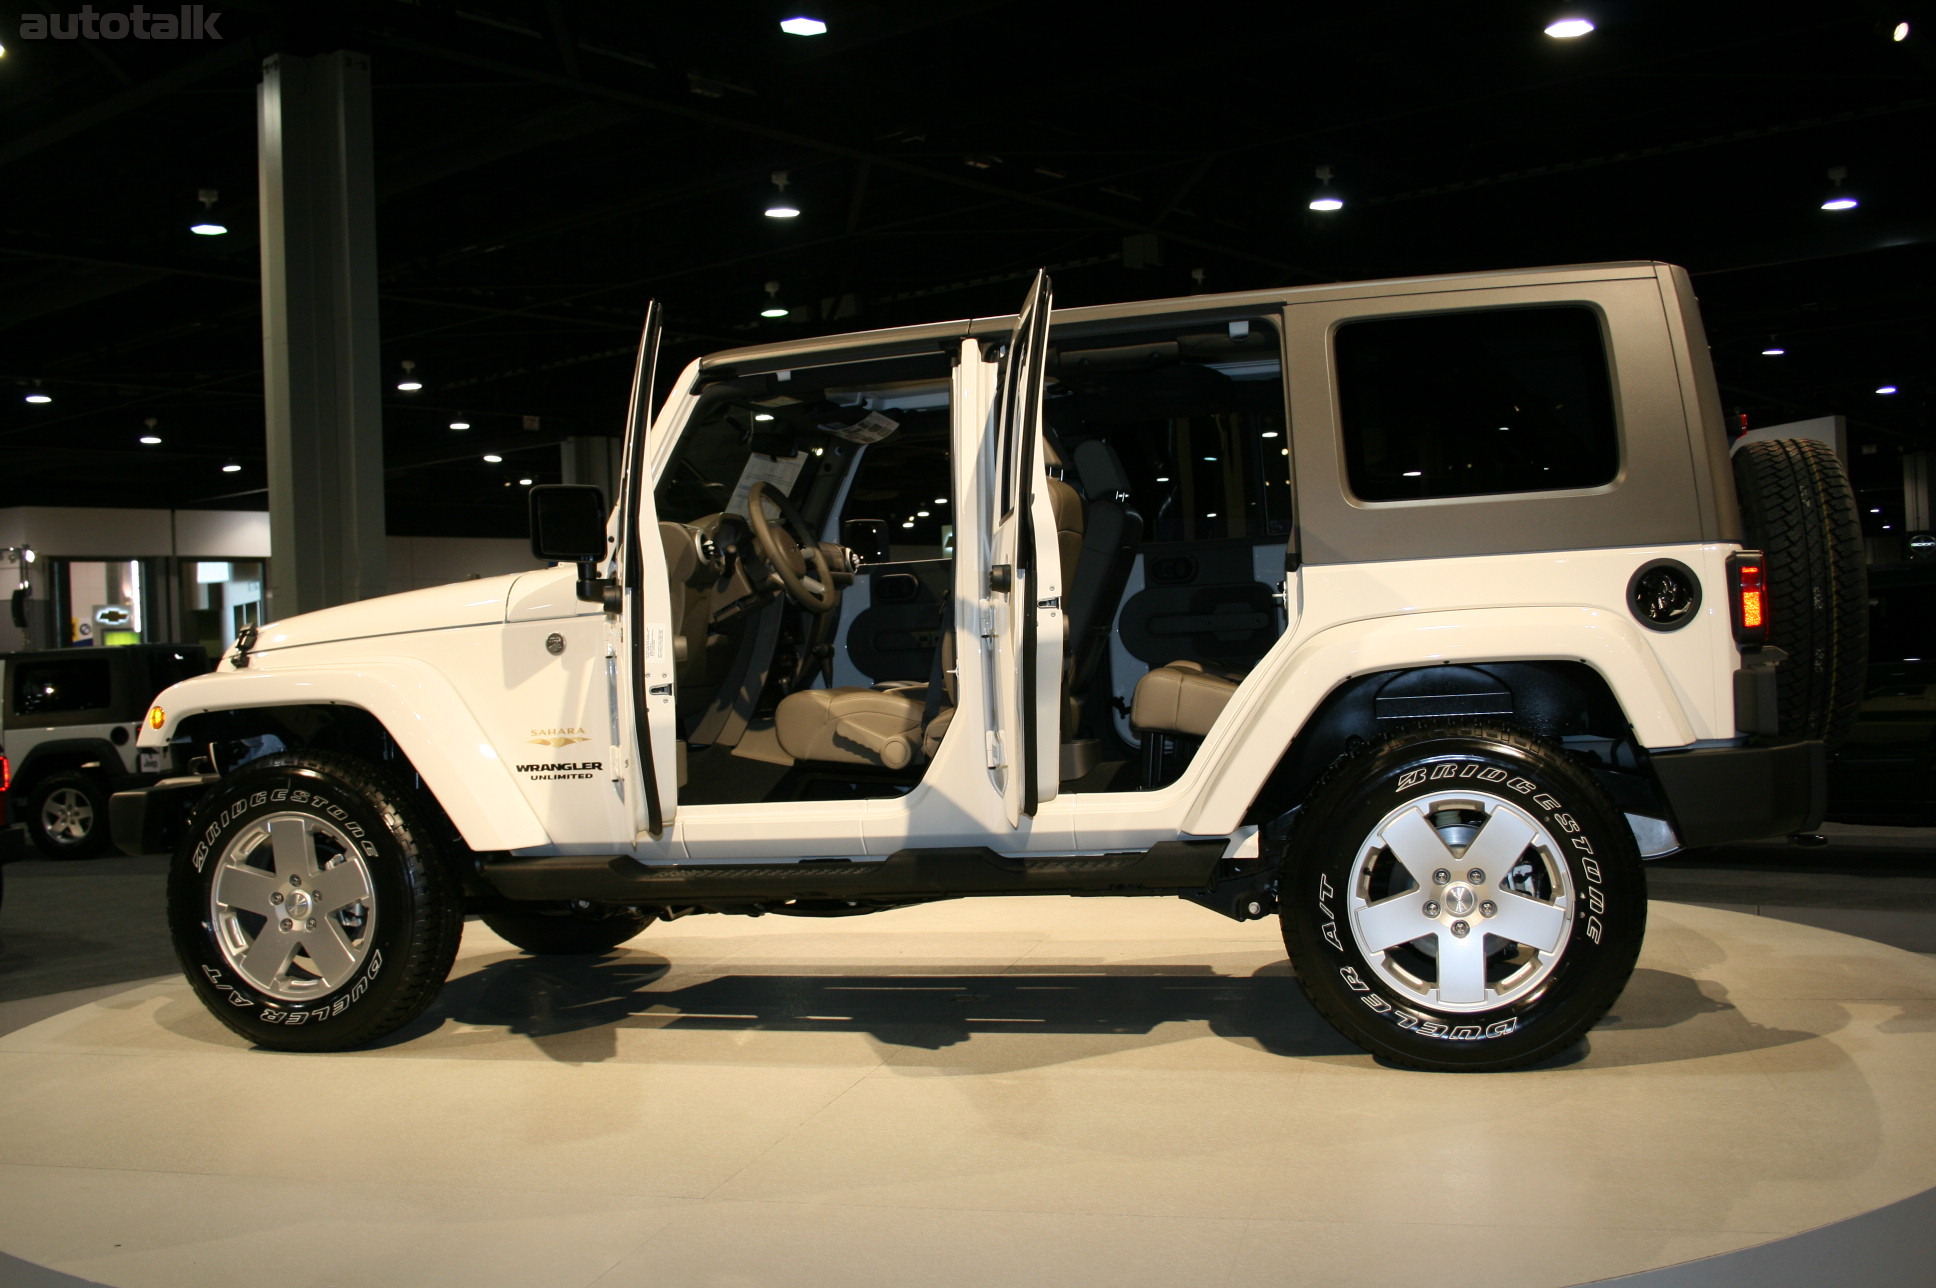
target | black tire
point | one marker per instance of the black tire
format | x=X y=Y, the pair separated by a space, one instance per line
x=1429 y=799
x=68 y=816
x=1799 y=510
x=363 y=873
x=564 y=933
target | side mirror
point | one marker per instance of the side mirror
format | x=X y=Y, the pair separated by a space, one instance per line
x=867 y=538
x=568 y=526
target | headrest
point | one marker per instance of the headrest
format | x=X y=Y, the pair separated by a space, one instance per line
x=1101 y=471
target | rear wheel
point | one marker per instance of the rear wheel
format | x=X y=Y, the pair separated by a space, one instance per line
x=564 y=932
x=68 y=816
x=1800 y=512
x=1462 y=899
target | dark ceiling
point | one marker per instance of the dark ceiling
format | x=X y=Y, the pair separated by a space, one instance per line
x=546 y=166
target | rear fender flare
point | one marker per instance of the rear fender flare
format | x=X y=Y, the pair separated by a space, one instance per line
x=417 y=706
x=1285 y=689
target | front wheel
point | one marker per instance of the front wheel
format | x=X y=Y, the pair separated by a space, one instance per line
x=1462 y=899
x=310 y=906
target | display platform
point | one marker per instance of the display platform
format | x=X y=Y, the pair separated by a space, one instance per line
x=1048 y=1091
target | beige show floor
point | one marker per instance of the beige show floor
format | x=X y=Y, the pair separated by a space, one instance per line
x=1047 y=1091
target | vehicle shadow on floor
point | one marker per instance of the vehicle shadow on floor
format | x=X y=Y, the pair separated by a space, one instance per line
x=572 y=1008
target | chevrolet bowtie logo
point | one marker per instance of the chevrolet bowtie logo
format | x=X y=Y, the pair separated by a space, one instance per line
x=557 y=742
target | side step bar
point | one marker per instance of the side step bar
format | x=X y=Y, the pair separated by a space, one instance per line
x=1166 y=867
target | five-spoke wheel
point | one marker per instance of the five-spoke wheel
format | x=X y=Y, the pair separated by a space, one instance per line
x=310 y=904
x=1462 y=898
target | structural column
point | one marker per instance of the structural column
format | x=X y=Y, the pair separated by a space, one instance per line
x=321 y=369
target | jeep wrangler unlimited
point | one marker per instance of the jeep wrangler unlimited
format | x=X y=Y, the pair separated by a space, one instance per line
x=1416 y=613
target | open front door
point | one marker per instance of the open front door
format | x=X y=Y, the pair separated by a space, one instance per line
x=641 y=657
x=1024 y=702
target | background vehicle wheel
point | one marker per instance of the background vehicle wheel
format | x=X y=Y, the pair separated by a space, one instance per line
x=1462 y=899
x=309 y=904
x=563 y=932
x=1800 y=512
x=68 y=816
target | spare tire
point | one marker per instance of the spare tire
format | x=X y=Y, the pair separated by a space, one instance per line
x=1800 y=512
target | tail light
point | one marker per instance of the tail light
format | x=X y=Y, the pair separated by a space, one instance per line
x=1748 y=587
x=6 y=775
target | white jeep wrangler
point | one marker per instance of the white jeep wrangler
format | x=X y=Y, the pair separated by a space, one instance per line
x=1414 y=612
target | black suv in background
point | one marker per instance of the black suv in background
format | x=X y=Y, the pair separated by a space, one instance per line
x=68 y=720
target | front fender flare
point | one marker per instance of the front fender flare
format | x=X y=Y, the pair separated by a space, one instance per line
x=420 y=709
x=1280 y=695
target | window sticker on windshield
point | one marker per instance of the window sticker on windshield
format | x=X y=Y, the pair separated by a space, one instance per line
x=871 y=428
x=779 y=472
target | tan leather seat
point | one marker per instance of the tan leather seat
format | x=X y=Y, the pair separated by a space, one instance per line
x=852 y=726
x=1181 y=697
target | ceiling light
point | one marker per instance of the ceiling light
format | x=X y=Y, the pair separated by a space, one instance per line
x=941 y=500
x=1569 y=28
x=1162 y=478
x=231 y=468
x=492 y=458
x=1900 y=33
x=777 y=205
x=764 y=415
x=1414 y=474
x=1838 y=198
x=460 y=424
x=150 y=439
x=908 y=524
x=1326 y=197
x=1773 y=351
x=921 y=514
x=524 y=482
x=409 y=384
x=803 y=26
x=773 y=309
x=206 y=224
x=1885 y=389
x=38 y=397
x=1876 y=510
x=1269 y=433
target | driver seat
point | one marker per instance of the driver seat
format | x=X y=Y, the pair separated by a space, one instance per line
x=892 y=725
x=899 y=722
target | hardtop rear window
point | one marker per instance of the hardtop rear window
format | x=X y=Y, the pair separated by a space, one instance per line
x=1476 y=403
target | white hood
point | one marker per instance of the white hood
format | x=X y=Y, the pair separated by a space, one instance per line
x=463 y=603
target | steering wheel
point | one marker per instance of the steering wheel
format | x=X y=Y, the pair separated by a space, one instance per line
x=791 y=552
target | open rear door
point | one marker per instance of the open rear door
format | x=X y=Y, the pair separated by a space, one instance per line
x=1019 y=718
x=643 y=650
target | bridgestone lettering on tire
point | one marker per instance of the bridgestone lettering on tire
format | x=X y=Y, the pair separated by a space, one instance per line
x=1799 y=510
x=1462 y=899
x=309 y=906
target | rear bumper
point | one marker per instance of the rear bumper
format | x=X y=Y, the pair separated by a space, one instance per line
x=1723 y=794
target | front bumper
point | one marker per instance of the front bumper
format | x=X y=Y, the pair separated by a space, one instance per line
x=149 y=820
x=1723 y=794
